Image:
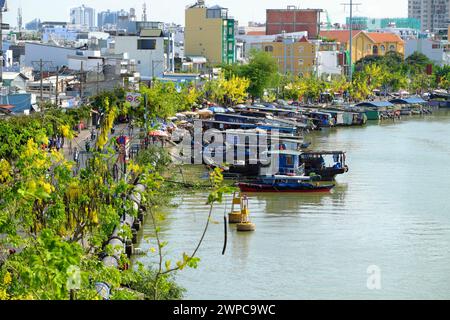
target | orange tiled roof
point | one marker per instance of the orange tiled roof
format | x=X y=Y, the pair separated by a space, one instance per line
x=256 y=33
x=379 y=37
x=344 y=35
x=341 y=36
x=303 y=39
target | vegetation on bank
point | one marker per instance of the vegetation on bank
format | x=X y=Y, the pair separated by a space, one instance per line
x=54 y=222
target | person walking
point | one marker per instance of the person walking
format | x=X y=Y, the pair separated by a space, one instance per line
x=76 y=156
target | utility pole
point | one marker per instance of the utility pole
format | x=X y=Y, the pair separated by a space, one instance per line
x=350 y=69
x=39 y=65
x=41 y=72
x=2 y=9
x=98 y=76
x=1 y=46
x=56 y=88
x=81 y=81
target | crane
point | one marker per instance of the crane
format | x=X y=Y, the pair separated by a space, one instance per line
x=329 y=24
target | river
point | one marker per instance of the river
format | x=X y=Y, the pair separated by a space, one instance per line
x=390 y=214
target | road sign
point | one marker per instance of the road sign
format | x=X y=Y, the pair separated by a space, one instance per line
x=134 y=99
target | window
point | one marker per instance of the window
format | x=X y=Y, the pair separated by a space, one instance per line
x=301 y=49
x=146 y=44
x=289 y=160
x=301 y=62
x=268 y=49
x=375 y=50
x=383 y=48
x=392 y=47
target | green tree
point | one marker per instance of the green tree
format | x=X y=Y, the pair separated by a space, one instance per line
x=262 y=71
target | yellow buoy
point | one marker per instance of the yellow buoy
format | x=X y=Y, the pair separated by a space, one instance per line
x=235 y=216
x=245 y=224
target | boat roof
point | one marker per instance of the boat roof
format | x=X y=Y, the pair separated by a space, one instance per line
x=237 y=116
x=322 y=152
x=411 y=100
x=249 y=125
x=320 y=112
x=376 y=104
x=285 y=152
x=263 y=108
x=300 y=153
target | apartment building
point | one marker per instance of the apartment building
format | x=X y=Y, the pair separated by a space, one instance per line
x=433 y=14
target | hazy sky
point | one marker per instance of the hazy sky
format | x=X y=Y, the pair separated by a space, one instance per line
x=173 y=10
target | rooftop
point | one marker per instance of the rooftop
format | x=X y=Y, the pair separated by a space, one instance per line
x=344 y=35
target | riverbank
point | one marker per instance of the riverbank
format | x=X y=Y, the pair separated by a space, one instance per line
x=388 y=211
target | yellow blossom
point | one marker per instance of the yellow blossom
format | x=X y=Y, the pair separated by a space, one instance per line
x=31 y=185
x=47 y=187
x=31 y=148
x=5 y=170
x=65 y=130
x=7 y=278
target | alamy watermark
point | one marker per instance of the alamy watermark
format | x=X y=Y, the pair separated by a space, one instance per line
x=374 y=278
x=237 y=147
x=73 y=278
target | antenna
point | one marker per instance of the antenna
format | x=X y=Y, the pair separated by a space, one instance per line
x=144 y=12
x=19 y=19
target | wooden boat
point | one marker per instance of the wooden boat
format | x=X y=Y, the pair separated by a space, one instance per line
x=285 y=184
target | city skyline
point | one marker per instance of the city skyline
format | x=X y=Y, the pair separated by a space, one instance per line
x=166 y=12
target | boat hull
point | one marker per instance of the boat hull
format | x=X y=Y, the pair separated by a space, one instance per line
x=269 y=188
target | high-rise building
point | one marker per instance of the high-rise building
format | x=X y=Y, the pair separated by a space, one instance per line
x=373 y=24
x=105 y=18
x=35 y=24
x=114 y=19
x=210 y=33
x=293 y=19
x=434 y=15
x=83 y=16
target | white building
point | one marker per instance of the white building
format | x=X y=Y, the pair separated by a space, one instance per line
x=90 y=61
x=51 y=55
x=252 y=40
x=15 y=80
x=83 y=16
x=59 y=34
x=435 y=50
x=147 y=50
x=328 y=63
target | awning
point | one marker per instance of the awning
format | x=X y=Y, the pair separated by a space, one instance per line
x=157 y=133
x=375 y=104
x=411 y=100
x=154 y=33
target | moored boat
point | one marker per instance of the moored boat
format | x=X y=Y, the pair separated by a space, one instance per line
x=286 y=184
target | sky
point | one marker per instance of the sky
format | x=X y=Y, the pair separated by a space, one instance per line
x=173 y=10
